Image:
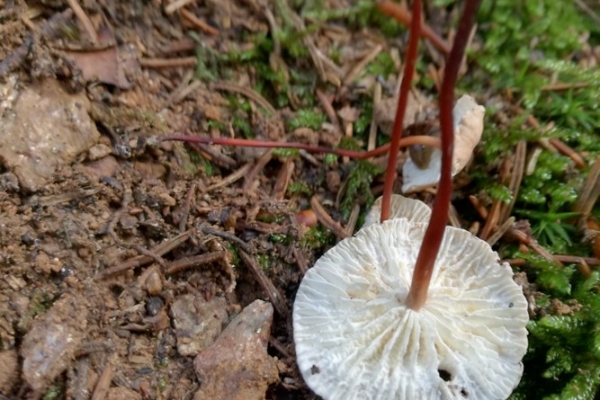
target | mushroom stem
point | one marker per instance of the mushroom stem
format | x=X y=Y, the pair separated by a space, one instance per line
x=409 y=70
x=437 y=224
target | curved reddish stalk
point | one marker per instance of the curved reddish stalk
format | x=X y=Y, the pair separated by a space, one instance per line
x=402 y=15
x=437 y=224
x=409 y=70
x=361 y=155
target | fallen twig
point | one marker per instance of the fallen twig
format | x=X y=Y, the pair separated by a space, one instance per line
x=198 y=23
x=140 y=260
x=168 y=62
x=249 y=93
x=239 y=174
x=85 y=20
x=209 y=230
x=276 y=298
x=326 y=219
x=194 y=261
x=569 y=152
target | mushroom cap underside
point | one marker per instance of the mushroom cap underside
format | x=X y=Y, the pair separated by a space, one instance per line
x=356 y=339
x=400 y=207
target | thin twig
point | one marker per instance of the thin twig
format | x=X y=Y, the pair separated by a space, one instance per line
x=260 y=164
x=531 y=242
x=209 y=230
x=569 y=152
x=239 y=174
x=326 y=219
x=357 y=70
x=590 y=191
x=214 y=155
x=190 y=262
x=249 y=93
x=176 y=5
x=501 y=231
x=276 y=298
x=198 y=23
x=325 y=102
x=300 y=259
x=168 y=62
x=492 y=221
x=372 y=143
x=515 y=179
x=85 y=20
x=140 y=260
x=103 y=384
x=481 y=210
x=283 y=180
x=187 y=205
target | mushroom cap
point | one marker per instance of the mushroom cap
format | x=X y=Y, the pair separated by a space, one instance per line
x=400 y=207
x=468 y=128
x=356 y=339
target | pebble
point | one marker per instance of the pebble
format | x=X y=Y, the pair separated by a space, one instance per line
x=237 y=366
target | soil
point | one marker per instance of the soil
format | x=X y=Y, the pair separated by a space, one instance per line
x=131 y=268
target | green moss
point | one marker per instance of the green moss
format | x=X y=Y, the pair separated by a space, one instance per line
x=563 y=360
x=53 y=393
x=299 y=188
x=307 y=118
x=383 y=65
x=317 y=238
x=359 y=186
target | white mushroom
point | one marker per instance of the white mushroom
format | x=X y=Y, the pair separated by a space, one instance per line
x=400 y=207
x=468 y=127
x=356 y=338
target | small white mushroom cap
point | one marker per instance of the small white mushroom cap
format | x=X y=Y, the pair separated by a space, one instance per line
x=356 y=339
x=468 y=128
x=400 y=207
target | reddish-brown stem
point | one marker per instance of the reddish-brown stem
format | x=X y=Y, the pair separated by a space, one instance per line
x=409 y=70
x=401 y=14
x=361 y=155
x=437 y=224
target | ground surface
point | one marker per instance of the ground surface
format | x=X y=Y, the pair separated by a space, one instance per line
x=130 y=267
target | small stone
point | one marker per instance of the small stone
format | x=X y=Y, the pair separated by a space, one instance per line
x=46 y=129
x=99 y=151
x=237 y=366
x=49 y=347
x=167 y=200
x=197 y=322
x=153 y=284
